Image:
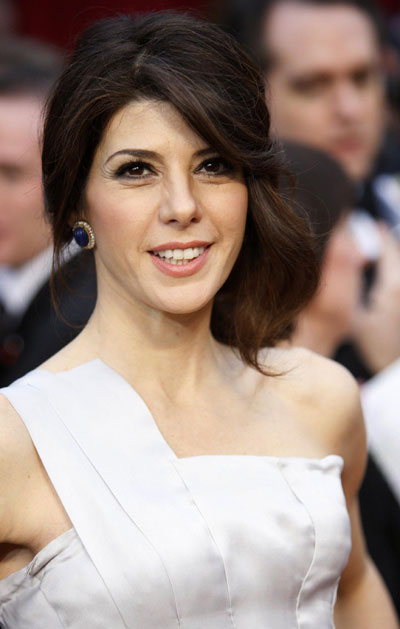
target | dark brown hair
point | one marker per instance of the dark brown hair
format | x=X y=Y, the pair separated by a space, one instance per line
x=218 y=91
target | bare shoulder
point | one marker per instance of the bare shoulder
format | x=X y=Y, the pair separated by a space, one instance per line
x=326 y=397
x=318 y=379
x=14 y=437
x=18 y=460
x=311 y=375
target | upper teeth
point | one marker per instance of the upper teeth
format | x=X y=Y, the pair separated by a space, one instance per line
x=181 y=254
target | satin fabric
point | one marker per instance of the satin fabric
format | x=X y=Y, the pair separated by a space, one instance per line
x=203 y=542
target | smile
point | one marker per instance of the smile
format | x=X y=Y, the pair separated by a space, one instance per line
x=180 y=261
x=180 y=256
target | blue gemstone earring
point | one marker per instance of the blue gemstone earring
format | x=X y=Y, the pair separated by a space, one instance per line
x=83 y=234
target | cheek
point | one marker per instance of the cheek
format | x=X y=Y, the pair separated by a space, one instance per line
x=25 y=217
x=310 y=115
x=337 y=262
x=342 y=270
x=235 y=226
x=235 y=222
x=232 y=211
x=224 y=208
x=375 y=116
x=297 y=118
x=35 y=199
x=117 y=219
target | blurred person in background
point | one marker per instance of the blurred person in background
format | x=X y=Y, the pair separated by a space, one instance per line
x=325 y=195
x=30 y=329
x=323 y=64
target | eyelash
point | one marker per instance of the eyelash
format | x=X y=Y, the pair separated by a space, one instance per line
x=123 y=170
x=227 y=166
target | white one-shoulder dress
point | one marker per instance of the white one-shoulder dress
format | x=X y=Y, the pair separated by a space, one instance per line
x=158 y=542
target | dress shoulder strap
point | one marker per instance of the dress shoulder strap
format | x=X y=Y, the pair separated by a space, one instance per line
x=115 y=475
x=75 y=425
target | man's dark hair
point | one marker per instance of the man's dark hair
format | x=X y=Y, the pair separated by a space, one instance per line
x=28 y=67
x=215 y=86
x=245 y=20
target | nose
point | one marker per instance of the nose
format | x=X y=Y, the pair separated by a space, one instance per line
x=347 y=101
x=179 y=204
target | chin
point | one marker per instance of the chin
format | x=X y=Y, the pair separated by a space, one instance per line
x=357 y=168
x=186 y=308
x=183 y=304
x=188 y=298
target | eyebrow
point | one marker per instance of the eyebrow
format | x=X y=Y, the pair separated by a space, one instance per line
x=153 y=155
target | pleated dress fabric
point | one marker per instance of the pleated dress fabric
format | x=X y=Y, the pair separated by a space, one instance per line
x=160 y=542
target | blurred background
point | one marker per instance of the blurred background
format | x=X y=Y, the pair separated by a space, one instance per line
x=59 y=23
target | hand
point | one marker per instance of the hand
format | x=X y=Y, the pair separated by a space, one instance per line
x=376 y=329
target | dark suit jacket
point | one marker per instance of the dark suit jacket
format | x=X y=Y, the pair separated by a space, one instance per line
x=42 y=331
x=380 y=514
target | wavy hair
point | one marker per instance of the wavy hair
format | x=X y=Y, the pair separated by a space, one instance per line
x=216 y=88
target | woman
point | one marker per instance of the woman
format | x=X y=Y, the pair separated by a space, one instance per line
x=180 y=483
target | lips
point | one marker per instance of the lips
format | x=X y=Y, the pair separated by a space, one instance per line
x=180 y=261
x=348 y=144
x=180 y=256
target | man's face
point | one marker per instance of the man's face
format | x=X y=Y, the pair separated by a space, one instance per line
x=325 y=86
x=23 y=230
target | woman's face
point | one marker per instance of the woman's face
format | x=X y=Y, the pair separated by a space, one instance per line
x=167 y=211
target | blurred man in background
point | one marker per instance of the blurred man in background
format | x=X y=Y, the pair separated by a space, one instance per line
x=325 y=85
x=30 y=330
x=322 y=63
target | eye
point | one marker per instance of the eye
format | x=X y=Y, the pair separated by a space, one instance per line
x=134 y=170
x=365 y=76
x=11 y=173
x=215 y=166
x=310 y=86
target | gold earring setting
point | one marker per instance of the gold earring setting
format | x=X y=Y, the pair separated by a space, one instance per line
x=83 y=234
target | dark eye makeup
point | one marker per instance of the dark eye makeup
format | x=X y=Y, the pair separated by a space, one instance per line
x=215 y=166
x=139 y=170
x=134 y=170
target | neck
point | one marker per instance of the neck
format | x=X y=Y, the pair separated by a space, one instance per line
x=174 y=353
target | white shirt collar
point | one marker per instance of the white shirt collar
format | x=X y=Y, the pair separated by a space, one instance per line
x=19 y=285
